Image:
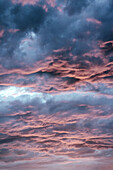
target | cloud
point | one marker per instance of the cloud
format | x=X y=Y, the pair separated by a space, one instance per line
x=44 y=45
x=56 y=89
x=21 y=17
x=76 y=124
x=73 y=7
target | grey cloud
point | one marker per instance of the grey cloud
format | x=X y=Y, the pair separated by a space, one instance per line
x=28 y=17
x=75 y=7
x=16 y=16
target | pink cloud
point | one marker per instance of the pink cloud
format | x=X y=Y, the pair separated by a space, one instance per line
x=1 y=33
x=24 y=2
x=52 y=3
x=93 y=20
x=13 y=30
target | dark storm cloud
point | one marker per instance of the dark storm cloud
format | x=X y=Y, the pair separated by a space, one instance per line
x=16 y=16
x=15 y=21
x=28 y=17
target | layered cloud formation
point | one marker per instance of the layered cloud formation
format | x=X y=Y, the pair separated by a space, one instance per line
x=64 y=43
x=56 y=84
x=46 y=130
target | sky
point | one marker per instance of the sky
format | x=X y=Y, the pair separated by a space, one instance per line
x=56 y=84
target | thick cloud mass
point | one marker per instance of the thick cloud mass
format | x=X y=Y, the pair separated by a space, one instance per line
x=41 y=43
x=21 y=17
x=56 y=84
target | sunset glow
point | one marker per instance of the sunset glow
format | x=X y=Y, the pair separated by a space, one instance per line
x=56 y=85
